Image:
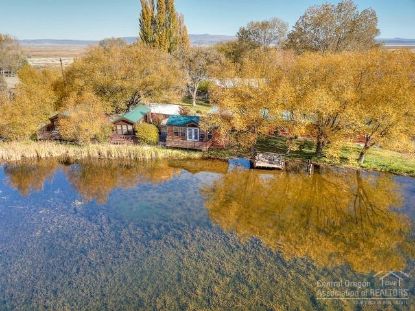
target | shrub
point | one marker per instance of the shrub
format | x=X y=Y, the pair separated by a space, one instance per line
x=147 y=133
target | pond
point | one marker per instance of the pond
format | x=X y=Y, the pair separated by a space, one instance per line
x=194 y=235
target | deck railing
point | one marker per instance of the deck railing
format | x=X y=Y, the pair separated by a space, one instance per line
x=185 y=144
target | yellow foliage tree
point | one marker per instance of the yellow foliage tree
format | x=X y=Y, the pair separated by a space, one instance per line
x=34 y=101
x=247 y=97
x=385 y=112
x=122 y=76
x=324 y=96
x=84 y=119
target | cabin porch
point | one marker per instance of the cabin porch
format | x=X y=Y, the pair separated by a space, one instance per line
x=185 y=144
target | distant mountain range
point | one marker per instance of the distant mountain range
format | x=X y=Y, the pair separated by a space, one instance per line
x=196 y=39
x=398 y=41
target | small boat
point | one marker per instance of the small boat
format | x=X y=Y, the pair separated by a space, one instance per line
x=269 y=160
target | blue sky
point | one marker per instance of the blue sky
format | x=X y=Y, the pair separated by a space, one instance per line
x=97 y=19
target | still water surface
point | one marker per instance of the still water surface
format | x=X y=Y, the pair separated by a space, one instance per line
x=192 y=235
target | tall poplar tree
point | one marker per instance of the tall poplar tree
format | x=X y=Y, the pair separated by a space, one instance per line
x=162 y=30
x=147 y=22
x=162 y=27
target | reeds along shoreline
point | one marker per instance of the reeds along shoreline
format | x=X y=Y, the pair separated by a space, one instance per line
x=17 y=151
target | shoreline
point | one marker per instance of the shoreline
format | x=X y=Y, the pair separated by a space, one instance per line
x=19 y=151
x=11 y=152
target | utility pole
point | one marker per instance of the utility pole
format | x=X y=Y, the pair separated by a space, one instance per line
x=63 y=73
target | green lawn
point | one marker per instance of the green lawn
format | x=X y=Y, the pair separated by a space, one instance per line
x=377 y=159
x=201 y=107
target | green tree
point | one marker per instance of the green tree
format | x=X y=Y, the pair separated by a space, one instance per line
x=334 y=28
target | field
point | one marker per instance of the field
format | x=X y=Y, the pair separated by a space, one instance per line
x=50 y=55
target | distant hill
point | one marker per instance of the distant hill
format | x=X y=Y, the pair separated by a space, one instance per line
x=57 y=42
x=397 y=42
x=206 y=39
x=196 y=39
x=199 y=40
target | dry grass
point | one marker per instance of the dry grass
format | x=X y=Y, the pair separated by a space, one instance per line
x=16 y=151
x=54 y=50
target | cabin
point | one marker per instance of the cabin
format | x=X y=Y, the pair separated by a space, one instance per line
x=159 y=114
x=50 y=131
x=123 y=125
x=185 y=132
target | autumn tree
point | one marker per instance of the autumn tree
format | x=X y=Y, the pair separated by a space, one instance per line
x=84 y=119
x=385 y=86
x=334 y=28
x=147 y=21
x=11 y=55
x=34 y=101
x=162 y=27
x=122 y=76
x=324 y=97
x=248 y=107
x=263 y=33
x=234 y=51
x=111 y=42
x=196 y=63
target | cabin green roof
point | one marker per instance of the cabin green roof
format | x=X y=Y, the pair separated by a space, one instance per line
x=182 y=120
x=136 y=114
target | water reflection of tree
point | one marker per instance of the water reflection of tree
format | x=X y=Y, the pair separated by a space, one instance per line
x=333 y=218
x=30 y=176
x=198 y=166
x=95 y=180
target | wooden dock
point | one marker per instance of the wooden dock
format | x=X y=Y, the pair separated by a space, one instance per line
x=269 y=160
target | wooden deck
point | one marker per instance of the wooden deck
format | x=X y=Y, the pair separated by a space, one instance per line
x=184 y=144
x=269 y=160
x=49 y=135
x=123 y=139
